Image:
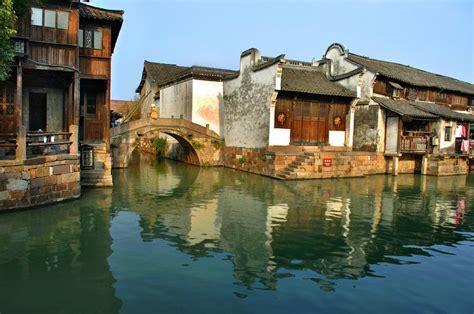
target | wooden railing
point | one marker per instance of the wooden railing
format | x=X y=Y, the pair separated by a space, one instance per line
x=414 y=142
x=47 y=143
x=8 y=146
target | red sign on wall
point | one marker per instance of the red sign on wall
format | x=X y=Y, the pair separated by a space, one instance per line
x=327 y=162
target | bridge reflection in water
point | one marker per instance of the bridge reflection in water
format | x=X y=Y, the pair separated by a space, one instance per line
x=180 y=238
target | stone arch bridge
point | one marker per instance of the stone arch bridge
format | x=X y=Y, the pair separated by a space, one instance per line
x=201 y=146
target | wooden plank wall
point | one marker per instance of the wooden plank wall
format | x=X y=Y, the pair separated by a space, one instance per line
x=48 y=34
x=94 y=67
x=53 y=55
x=456 y=101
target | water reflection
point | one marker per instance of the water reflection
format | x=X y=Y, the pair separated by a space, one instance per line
x=59 y=252
x=338 y=229
x=169 y=235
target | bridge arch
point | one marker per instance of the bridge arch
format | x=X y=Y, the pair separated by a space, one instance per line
x=189 y=152
x=200 y=145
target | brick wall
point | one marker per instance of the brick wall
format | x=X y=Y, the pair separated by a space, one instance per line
x=39 y=181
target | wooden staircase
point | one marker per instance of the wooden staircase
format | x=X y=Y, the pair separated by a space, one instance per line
x=299 y=168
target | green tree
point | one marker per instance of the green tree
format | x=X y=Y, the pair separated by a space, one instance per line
x=10 y=11
x=7 y=30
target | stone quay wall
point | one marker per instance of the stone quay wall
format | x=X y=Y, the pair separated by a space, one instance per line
x=446 y=166
x=39 y=181
x=305 y=165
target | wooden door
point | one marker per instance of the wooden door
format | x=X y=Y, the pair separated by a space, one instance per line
x=391 y=135
x=309 y=123
x=37 y=112
x=91 y=103
x=7 y=109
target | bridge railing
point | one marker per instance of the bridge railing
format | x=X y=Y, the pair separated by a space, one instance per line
x=163 y=123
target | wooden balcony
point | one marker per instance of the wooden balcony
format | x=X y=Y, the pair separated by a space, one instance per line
x=8 y=145
x=47 y=143
x=414 y=142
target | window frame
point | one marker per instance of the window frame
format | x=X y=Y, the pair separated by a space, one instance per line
x=42 y=16
x=63 y=13
x=93 y=31
x=448 y=133
x=39 y=15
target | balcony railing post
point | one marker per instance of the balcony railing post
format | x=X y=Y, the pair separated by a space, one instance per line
x=74 y=149
x=21 y=143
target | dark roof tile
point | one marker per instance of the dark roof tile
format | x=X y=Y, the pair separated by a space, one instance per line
x=422 y=109
x=198 y=72
x=404 y=108
x=311 y=80
x=95 y=13
x=161 y=72
x=413 y=76
x=443 y=111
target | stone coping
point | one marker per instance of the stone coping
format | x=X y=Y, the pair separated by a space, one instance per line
x=308 y=149
x=38 y=160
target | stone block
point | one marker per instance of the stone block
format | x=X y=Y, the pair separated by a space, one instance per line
x=45 y=190
x=60 y=187
x=38 y=182
x=51 y=180
x=17 y=194
x=43 y=172
x=4 y=195
x=17 y=185
x=71 y=177
x=62 y=169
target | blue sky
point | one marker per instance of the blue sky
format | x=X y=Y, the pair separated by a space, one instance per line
x=435 y=35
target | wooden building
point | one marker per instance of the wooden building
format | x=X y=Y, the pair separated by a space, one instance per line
x=58 y=96
x=420 y=119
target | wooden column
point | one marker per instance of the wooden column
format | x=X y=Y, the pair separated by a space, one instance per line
x=19 y=95
x=75 y=100
x=74 y=115
x=106 y=137
x=21 y=130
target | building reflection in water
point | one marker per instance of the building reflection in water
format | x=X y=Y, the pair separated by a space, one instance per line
x=270 y=229
x=58 y=253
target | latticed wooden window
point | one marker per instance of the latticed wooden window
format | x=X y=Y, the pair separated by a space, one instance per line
x=7 y=99
x=7 y=108
x=88 y=38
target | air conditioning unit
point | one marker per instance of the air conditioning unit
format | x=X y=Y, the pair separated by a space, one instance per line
x=434 y=141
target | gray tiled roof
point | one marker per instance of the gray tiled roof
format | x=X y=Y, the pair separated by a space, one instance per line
x=95 y=13
x=311 y=80
x=422 y=109
x=164 y=73
x=413 y=76
x=161 y=72
x=206 y=73
x=404 y=108
x=443 y=111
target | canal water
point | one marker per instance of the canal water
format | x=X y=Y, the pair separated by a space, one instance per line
x=174 y=238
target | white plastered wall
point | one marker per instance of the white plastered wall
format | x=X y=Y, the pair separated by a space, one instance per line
x=247 y=103
x=208 y=104
x=176 y=100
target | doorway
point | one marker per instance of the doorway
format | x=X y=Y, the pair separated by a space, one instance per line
x=37 y=111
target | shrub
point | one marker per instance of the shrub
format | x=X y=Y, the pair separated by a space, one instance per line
x=161 y=146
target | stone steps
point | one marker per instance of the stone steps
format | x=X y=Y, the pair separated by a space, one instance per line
x=298 y=168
